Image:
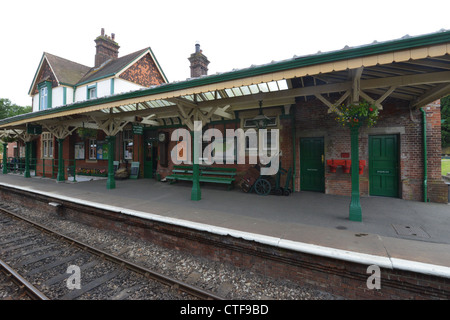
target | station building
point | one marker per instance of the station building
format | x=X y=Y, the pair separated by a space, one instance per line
x=122 y=112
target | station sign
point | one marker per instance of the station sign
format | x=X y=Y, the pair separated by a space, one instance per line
x=138 y=130
x=34 y=129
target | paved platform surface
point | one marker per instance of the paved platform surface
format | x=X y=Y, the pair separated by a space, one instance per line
x=394 y=233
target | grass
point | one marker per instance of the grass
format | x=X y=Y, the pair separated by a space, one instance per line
x=445 y=166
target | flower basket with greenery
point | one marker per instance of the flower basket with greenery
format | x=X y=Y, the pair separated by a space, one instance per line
x=355 y=115
x=9 y=139
x=87 y=133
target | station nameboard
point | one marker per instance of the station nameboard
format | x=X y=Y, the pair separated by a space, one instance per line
x=139 y=130
x=34 y=129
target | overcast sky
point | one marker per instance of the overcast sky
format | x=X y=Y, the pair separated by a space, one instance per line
x=232 y=34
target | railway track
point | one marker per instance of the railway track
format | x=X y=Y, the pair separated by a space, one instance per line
x=50 y=265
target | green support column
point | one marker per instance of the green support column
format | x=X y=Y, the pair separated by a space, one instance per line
x=196 y=193
x=61 y=176
x=5 y=159
x=111 y=182
x=355 y=213
x=27 y=160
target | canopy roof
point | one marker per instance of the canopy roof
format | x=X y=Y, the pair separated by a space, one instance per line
x=415 y=69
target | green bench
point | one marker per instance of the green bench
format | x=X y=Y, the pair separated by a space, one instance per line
x=206 y=174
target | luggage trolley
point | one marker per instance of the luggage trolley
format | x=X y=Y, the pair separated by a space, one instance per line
x=264 y=185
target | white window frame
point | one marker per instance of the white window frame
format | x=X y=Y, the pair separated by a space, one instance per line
x=47 y=145
x=92 y=92
x=92 y=149
x=43 y=96
x=127 y=141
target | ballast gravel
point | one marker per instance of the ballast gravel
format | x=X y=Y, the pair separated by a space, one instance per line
x=222 y=279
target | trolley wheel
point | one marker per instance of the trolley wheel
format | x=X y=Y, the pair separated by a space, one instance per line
x=262 y=187
x=286 y=192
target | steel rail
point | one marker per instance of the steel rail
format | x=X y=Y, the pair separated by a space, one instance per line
x=151 y=274
x=31 y=290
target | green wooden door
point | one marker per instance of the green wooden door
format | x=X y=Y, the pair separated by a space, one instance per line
x=150 y=158
x=312 y=173
x=383 y=165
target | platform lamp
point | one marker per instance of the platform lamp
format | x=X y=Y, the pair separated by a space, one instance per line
x=260 y=120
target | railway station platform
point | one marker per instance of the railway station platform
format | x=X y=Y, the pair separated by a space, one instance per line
x=394 y=233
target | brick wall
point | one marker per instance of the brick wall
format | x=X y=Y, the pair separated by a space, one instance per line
x=106 y=48
x=313 y=119
x=143 y=72
x=342 y=278
x=46 y=73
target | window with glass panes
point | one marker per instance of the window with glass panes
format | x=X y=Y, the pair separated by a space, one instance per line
x=92 y=149
x=47 y=145
x=128 y=144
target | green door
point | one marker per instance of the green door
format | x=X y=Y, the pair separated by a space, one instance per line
x=383 y=165
x=150 y=158
x=312 y=173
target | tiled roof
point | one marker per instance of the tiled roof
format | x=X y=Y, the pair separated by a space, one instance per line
x=110 y=68
x=66 y=71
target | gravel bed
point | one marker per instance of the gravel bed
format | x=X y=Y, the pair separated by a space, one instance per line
x=220 y=278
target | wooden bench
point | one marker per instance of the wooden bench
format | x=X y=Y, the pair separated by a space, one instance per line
x=206 y=174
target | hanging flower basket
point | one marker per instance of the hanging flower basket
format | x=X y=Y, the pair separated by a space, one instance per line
x=9 y=139
x=355 y=115
x=87 y=133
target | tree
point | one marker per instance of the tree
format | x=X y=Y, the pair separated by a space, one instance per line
x=8 y=109
x=445 y=117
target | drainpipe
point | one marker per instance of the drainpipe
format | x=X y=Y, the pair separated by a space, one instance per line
x=294 y=141
x=425 y=162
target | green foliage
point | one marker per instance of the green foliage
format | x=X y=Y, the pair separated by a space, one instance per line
x=7 y=109
x=445 y=126
x=445 y=166
x=87 y=133
x=357 y=114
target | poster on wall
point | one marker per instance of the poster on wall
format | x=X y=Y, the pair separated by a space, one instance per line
x=79 y=151
x=102 y=151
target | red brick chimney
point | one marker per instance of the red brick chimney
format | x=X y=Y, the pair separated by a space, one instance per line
x=106 y=47
x=199 y=63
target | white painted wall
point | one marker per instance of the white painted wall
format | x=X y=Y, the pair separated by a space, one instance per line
x=103 y=90
x=121 y=86
x=36 y=102
x=80 y=93
x=57 y=96
x=69 y=96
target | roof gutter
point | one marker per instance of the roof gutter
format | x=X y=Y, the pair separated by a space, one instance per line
x=372 y=49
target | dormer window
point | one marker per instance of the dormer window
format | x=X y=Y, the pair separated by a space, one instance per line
x=45 y=95
x=92 y=92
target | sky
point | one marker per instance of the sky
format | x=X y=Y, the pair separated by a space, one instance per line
x=232 y=34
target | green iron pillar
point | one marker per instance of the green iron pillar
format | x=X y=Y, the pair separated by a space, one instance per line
x=61 y=176
x=196 y=193
x=5 y=158
x=27 y=160
x=355 y=212
x=111 y=182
